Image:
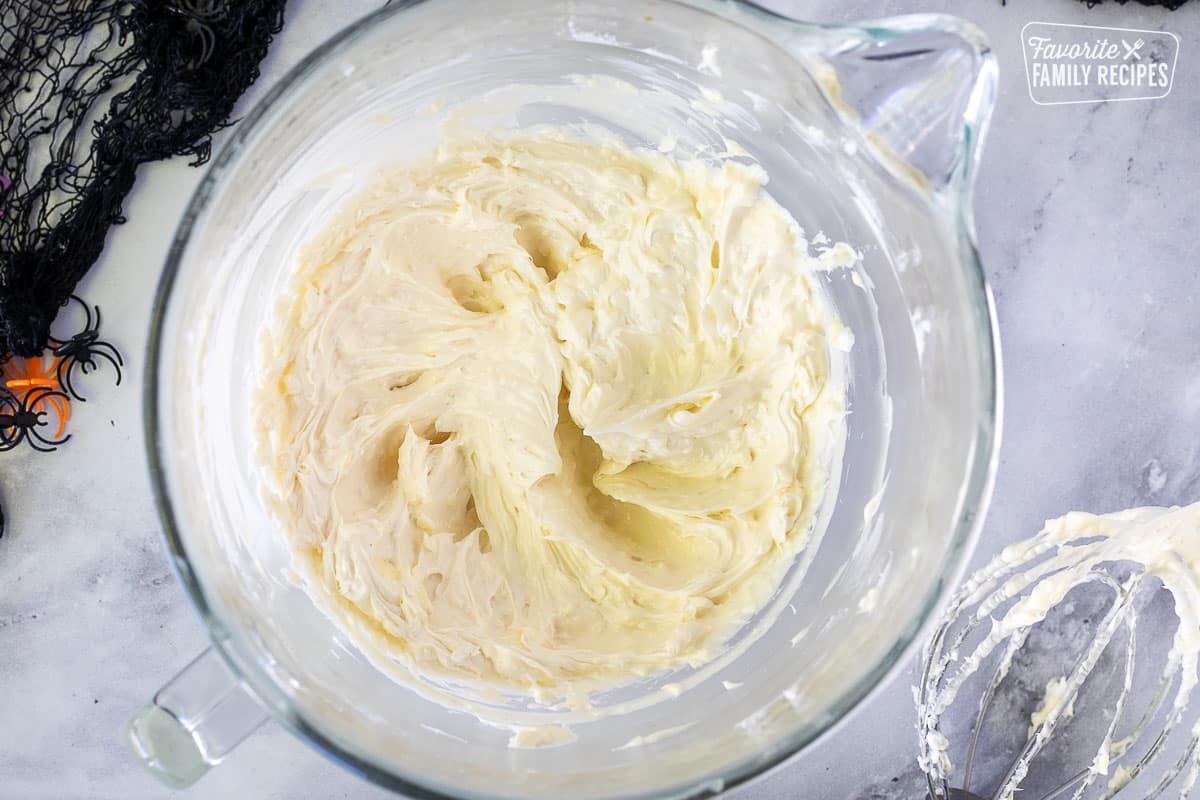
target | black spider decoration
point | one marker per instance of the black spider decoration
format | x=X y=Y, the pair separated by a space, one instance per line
x=20 y=420
x=82 y=350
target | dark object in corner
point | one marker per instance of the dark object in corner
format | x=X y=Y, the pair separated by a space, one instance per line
x=88 y=92
x=1170 y=5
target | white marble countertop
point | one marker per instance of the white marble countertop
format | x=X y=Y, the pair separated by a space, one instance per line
x=1090 y=231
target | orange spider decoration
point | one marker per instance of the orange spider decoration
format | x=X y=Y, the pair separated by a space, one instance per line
x=35 y=375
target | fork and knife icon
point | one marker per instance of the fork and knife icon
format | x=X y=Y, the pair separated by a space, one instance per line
x=1131 y=50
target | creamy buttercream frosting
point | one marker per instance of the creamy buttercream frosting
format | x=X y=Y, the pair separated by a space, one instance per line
x=540 y=412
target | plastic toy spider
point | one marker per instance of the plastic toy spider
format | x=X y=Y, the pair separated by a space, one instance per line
x=82 y=350
x=19 y=421
x=31 y=374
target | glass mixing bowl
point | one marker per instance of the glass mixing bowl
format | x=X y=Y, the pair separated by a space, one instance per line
x=869 y=133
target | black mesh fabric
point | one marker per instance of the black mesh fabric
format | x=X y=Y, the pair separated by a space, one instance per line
x=90 y=89
x=1168 y=4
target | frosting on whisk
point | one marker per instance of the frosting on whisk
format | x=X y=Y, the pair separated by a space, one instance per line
x=1021 y=587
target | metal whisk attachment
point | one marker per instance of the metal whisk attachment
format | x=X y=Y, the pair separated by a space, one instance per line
x=1064 y=668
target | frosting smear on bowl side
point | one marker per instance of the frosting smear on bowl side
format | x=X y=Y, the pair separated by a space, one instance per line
x=539 y=412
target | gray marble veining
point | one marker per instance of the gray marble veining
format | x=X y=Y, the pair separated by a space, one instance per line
x=1089 y=228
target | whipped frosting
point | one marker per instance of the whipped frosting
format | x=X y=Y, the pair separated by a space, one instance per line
x=540 y=413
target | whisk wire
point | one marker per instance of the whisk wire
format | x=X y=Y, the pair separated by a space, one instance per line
x=1014 y=646
x=1188 y=755
x=1153 y=751
x=1083 y=667
x=991 y=590
x=1091 y=774
x=1084 y=779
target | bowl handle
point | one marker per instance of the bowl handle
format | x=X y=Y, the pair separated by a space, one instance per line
x=194 y=721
